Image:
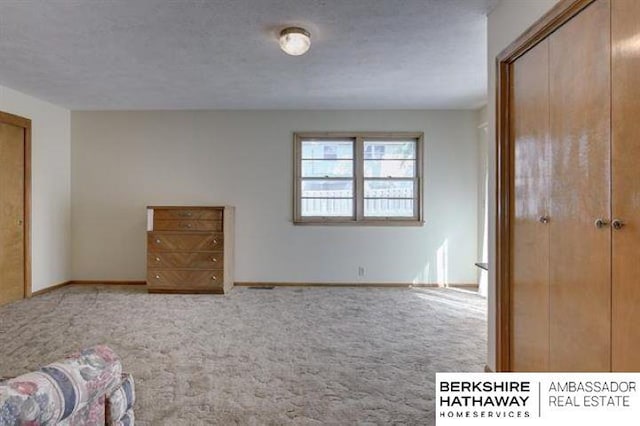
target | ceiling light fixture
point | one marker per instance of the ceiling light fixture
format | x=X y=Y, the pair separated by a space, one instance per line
x=295 y=41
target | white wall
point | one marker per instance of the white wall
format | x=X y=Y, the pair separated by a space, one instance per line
x=123 y=161
x=51 y=186
x=482 y=180
x=507 y=21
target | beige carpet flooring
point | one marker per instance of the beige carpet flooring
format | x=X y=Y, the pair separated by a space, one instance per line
x=300 y=356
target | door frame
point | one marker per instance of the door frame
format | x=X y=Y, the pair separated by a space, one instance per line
x=562 y=12
x=25 y=124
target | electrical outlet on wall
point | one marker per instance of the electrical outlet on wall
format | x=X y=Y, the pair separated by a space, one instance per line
x=360 y=271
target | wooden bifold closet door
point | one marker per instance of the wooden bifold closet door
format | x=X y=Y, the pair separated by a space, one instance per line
x=573 y=140
x=580 y=248
x=12 y=228
x=560 y=288
x=529 y=340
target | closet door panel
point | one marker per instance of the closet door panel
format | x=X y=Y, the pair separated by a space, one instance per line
x=580 y=253
x=625 y=68
x=12 y=234
x=529 y=344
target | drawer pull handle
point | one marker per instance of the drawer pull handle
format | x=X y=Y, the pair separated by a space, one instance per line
x=189 y=225
x=213 y=278
x=214 y=260
x=158 y=241
x=157 y=259
x=157 y=277
x=215 y=241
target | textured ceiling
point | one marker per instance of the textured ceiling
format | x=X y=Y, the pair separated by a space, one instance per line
x=223 y=54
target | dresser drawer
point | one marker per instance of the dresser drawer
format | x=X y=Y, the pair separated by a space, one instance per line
x=165 y=241
x=186 y=225
x=179 y=279
x=187 y=214
x=185 y=260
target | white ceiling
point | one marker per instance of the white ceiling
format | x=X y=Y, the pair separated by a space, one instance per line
x=223 y=54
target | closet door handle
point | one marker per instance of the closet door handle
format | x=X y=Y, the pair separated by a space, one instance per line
x=601 y=223
x=617 y=224
x=544 y=219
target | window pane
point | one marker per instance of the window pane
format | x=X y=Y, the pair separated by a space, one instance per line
x=390 y=150
x=320 y=188
x=388 y=189
x=388 y=208
x=327 y=168
x=389 y=168
x=327 y=207
x=327 y=149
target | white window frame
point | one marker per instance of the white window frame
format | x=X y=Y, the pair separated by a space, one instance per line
x=358 y=217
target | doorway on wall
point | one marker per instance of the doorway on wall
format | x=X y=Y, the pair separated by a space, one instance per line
x=15 y=199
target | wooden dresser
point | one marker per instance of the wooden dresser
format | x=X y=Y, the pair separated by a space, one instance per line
x=190 y=249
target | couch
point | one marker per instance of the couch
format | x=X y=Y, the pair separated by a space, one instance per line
x=87 y=388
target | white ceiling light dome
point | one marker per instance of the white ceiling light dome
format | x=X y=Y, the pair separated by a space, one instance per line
x=295 y=41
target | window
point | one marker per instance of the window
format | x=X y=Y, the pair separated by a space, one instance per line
x=358 y=178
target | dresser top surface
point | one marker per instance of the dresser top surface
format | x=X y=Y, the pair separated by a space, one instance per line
x=187 y=207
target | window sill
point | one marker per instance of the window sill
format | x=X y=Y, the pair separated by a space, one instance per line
x=389 y=222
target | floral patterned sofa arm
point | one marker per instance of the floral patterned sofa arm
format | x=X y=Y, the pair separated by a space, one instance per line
x=120 y=403
x=74 y=391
